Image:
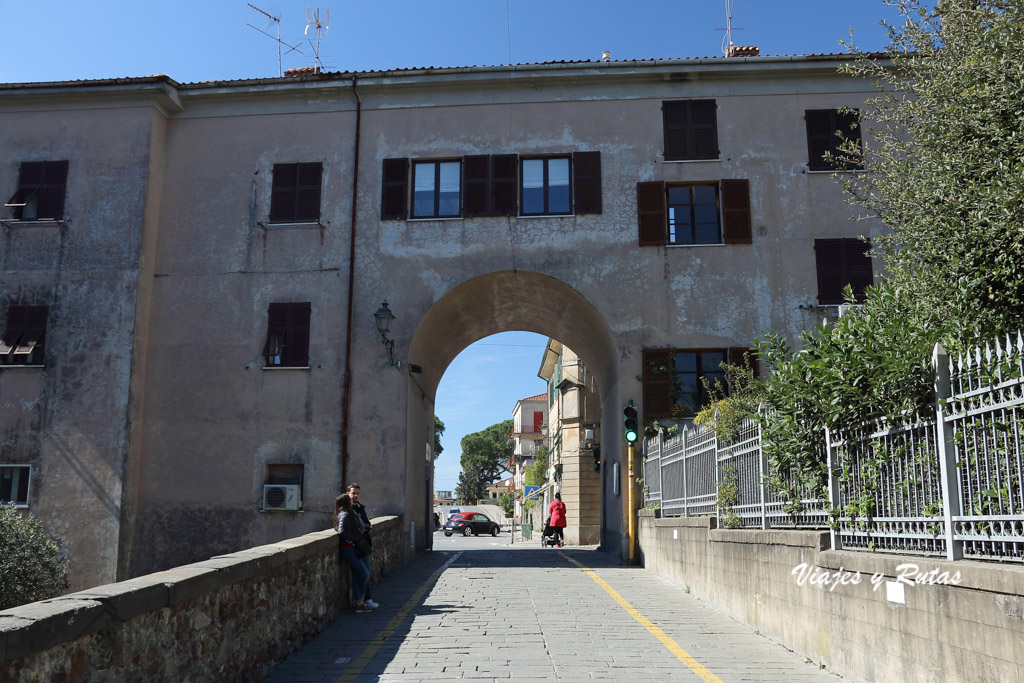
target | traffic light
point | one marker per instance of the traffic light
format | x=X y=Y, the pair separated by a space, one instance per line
x=631 y=429
x=597 y=459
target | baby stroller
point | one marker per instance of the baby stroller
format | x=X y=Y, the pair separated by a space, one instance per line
x=547 y=538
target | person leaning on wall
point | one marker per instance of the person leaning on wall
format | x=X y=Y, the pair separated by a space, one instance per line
x=364 y=524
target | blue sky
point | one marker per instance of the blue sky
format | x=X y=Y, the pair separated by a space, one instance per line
x=198 y=40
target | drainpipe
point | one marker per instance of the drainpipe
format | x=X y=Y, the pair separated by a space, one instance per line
x=346 y=400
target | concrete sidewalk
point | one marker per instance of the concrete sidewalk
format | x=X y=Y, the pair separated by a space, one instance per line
x=526 y=613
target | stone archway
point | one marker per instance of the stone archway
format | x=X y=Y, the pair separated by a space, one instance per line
x=499 y=302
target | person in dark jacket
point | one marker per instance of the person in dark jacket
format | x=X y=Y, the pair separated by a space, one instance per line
x=557 y=512
x=364 y=523
x=349 y=532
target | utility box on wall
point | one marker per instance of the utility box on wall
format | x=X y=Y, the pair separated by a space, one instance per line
x=282 y=497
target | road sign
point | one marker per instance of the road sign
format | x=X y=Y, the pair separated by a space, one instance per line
x=531 y=493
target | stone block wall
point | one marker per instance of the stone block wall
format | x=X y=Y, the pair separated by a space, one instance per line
x=968 y=630
x=229 y=618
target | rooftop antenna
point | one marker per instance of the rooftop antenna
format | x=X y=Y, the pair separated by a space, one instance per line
x=313 y=18
x=277 y=21
x=727 y=43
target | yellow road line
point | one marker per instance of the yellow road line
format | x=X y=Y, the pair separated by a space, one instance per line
x=673 y=646
x=357 y=665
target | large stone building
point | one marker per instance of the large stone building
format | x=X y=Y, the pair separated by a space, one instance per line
x=189 y=274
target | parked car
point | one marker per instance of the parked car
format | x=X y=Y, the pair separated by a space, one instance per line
x=471 y=524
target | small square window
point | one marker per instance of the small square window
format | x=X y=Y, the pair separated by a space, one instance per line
x=826 y=130
x=284 y=473
x=41 y=189
x=14 y=480
x=287 y=344
x=691 y=129
x=295 y=195
x=437 y=189
x=24 y=337
x=546 y=187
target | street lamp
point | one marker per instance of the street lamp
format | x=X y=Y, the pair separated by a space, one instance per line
x=384 y=316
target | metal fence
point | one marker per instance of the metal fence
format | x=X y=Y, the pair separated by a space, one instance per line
x=686 y=472
x=948 y=482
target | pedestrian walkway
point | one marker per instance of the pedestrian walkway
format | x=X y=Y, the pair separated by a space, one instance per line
x=525 y=613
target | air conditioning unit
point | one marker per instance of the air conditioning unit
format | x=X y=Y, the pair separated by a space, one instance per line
x=282 y=497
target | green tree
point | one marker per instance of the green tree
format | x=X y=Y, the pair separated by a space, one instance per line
x=537 y=473
x=944 y=171
x=485 y=455
x=507 y=503
x=438 y=431
x=945 y=163
x=31 y=567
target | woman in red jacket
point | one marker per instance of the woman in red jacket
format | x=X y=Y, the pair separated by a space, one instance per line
x=557 y=512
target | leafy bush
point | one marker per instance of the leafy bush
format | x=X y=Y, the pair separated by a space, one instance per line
x=31 y=567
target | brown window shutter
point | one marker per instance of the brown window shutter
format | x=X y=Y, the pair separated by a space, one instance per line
x=307 y=203
x=736 y=211
x=657 y=385
x=849 y=124
x=704 y=129
x=283 y=192
x=297 y=349
x=30 y=174
x=857 y=266
x=828 y=259
x=504 y=185
x=675 y=118
x=745 y=358
x=821 y=127
x=54 y=187
x=476 y=185
x=586 y=168
x=651 y=213
x=394 y=195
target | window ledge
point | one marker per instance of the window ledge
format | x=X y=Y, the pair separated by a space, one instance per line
x=690 y=161
x=440 y=218
x=287 y=367
x=836 y=170
x=691 y=246
x=19 y=366
x=42 y=223
x=547 y=215
x=291 y=225
x=265 y=510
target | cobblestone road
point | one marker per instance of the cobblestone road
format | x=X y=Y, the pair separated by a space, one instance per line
x=533 y=614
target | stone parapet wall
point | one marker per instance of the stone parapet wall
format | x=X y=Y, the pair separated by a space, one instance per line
x=229 y=618
x=968 y=631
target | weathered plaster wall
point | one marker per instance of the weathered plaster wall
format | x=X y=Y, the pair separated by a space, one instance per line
x=968 y=631
x=70 y=419
x=161 y=281
x=228 y=618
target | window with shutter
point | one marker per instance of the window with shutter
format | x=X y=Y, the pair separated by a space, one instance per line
x=476 y=185
x=24 y=338
x=691 y=130
x=674 y=380
x=826 y=130
x=295 y=193
x=545 y=187
x=42 y=186
x=842 y=262
x=14 y=481
x=437 y=189
x=287 y=344
x=694 y=213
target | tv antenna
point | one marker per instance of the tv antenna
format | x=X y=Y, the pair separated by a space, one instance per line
x=276 y=20
x=727 y=39
x=314 y=18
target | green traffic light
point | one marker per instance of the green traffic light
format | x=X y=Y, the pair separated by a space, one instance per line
x=630 y=425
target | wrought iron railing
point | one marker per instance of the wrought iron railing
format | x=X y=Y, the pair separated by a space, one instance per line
x=945 y=482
